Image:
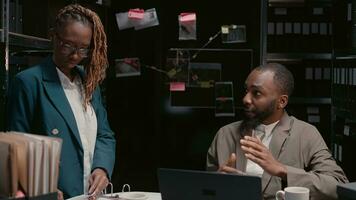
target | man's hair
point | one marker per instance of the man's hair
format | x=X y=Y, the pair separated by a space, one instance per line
x=283 y=78
x=96 y=66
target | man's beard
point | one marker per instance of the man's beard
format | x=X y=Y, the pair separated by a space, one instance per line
x=250 y=123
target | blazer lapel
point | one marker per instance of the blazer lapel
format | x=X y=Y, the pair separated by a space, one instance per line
x=279 y=136
x=58 y=98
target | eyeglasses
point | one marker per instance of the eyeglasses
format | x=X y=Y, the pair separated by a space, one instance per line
x=68 y=49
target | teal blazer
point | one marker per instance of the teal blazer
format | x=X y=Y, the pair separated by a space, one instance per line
x=37 y=104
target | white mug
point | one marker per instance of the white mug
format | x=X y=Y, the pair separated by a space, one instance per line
x=293 y=193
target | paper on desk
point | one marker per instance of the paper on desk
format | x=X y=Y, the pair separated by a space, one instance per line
x=80 y=197
x=149 y=195
x=85 y=197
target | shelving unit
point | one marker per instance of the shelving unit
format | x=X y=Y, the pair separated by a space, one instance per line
x=11 y=43
x=344 y=86
x=304 y=100
x=344 y=111
x=299 y=36
x=27 y=41
x=290 y=57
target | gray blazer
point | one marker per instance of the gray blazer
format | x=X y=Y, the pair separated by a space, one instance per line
x=296 y=144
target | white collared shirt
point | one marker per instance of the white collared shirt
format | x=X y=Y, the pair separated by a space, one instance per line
x=85 y=119
x=251 y=167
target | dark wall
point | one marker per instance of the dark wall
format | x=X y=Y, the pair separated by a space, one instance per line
x=150 y=132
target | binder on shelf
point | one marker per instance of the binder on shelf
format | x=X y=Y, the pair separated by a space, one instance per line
x=323 y=28
x=279 y=28
x=270 y=28
x=49 y=196
x=288 y=28
x=31 y=163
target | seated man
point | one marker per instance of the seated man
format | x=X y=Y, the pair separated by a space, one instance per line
x=281 y=149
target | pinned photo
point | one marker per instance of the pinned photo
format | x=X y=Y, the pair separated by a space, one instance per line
x=127 y=67
x=224 y=108
x=137 y=18
x=149 y=19
x=177 y=69
x=233 y=33
x=224 y=99
x=204 y=75
x=187 y=26
x=123 y=21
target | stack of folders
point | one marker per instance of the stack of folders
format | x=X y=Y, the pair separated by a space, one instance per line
x=28 y=163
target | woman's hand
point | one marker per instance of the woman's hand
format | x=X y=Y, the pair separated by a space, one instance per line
x=97 y=182
x=60 y=195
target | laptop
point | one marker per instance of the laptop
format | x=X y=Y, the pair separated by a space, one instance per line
x=178 y=184
x=346 y=191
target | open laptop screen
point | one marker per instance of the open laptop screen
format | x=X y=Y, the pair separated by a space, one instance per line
x=177 y=184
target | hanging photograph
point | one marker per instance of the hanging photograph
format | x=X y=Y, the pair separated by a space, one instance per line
x=177 y=69
x=149 y=19
x=204 y=75
x=224 y=99
x=233 y=33
x=127 y=67
x=187 y=26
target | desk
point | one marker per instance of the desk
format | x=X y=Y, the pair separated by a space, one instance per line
x=150 y=195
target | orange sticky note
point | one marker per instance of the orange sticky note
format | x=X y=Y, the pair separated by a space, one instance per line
x=136 y=13
x=177 y=86
x=187 y=17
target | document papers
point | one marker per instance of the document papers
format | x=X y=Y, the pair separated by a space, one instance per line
x=29 y=162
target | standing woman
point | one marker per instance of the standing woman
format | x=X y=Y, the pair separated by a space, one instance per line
x=61 y=98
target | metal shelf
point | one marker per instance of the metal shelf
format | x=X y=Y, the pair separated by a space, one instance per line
x=286 y=3
x=298 y=3
x=342 y=112
x=345 y=56
x=297 y=57
x=210 y=49
x=21 y=40
x=312 y=100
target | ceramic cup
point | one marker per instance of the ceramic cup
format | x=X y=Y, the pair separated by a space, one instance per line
x=293 y=193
